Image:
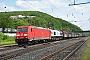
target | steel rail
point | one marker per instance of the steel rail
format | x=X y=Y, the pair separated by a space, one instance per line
x=52 y=54
x=67 y=57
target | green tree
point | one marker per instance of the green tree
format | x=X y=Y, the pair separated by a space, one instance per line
x=19 y=22
x=39 y=19
x=6 y=21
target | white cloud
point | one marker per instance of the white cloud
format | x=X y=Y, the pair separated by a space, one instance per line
x=32 y=5
x=60 y=9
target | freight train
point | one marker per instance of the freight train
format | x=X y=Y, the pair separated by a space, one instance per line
x=31 y=34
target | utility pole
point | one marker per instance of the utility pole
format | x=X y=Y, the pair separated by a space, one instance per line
x=78 y=3
x=49 y=25
x=52 y=12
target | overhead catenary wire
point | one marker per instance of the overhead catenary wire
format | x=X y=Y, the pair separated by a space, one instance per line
x=78 y=3
x=58 y=9
x=43 y=9
x=72 y=13
x=85 y=22
x=61 y=8
x=75 y=10
x=79 y=10
x=82 y=13
x=53 y=7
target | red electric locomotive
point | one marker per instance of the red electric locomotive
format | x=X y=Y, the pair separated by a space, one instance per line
x=30 y=34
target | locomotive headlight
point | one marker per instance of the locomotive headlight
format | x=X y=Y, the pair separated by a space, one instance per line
x=25 y=37
x=25 y=34
x=17 y=35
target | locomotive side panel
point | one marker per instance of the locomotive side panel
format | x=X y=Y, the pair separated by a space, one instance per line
x=41 y=33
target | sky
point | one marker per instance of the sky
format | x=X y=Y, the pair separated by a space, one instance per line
x=75 y=14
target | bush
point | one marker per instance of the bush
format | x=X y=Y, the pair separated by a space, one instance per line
x=4 y=39
x=9 y=40
x=1 y=36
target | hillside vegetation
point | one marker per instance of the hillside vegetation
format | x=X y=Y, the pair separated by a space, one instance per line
x=37 y=19
x=4 y=39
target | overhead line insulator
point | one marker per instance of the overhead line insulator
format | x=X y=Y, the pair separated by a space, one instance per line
x=78 y=3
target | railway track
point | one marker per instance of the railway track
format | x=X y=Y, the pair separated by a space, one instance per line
x=34 y=50
x=64 y=53
x=8 y=47
x=46 y=49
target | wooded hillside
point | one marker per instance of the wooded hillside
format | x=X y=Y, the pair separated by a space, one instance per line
x=35 y=18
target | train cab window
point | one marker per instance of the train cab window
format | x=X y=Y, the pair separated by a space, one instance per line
x=22 y=29
x=31 y=29
x=54 y=33
x=61 y=33
x=57 y=33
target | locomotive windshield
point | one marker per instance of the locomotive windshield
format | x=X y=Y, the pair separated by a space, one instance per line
x=22 y=29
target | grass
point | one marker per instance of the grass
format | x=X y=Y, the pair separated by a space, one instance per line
x=4 y=39
x=7 y=42
x=86 y=54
